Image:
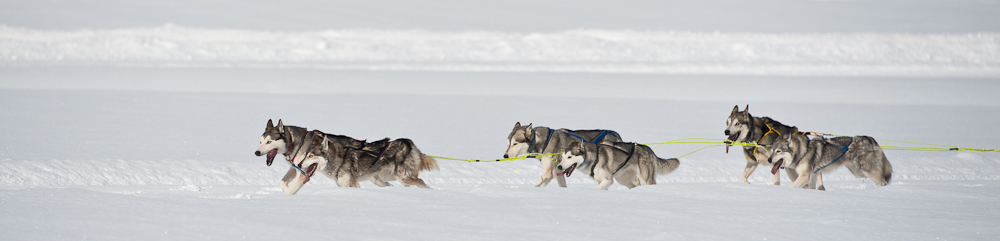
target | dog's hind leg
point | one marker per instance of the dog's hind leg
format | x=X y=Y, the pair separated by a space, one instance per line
x=378 y=181
x=627 y=180
x=414 y=181
x=751 y=166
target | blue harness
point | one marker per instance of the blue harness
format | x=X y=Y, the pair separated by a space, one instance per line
x=596 y=140
x=843 y=151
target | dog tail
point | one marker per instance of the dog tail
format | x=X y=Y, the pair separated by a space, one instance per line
x=886 y=167
x=880 y=156
x=664 y=166
x=426 y=163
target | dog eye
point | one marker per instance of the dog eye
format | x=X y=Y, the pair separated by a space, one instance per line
x=268 y=142
x=310 y=155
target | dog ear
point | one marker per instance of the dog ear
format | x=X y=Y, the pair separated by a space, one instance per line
x=517 y=125
x=735 y=109
x=746 y=112
x=270 y=125
x=281 y=126
x=581 y=145
x=326 y=146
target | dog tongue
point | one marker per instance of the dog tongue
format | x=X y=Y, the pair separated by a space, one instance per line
x=774 y=169
x=270 y=156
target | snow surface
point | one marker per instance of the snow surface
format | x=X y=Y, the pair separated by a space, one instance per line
x=136 y=120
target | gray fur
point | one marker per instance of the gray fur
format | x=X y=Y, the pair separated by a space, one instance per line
x=604 y=162
x=281 y=135
x=743 y=127
x=864 y=158
x=349 y=164
x=523 y=139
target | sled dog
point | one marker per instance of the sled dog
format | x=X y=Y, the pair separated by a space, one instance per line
x=525 y=139
x=810 y=159
x=348 y=164
x=286 y=139
x=742 y=127
x=626 y=162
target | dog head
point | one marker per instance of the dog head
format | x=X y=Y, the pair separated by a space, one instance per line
x=519 y=140
x=782 y=152
x=573 y=155
x=272 y=141
x=738 y=124
x=313 y=156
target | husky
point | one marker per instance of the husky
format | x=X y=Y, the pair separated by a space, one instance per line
x=742 y=127
x=525 y=139
x=630 y=163
x=810 y=159
x=286 y=139
x=348 y=164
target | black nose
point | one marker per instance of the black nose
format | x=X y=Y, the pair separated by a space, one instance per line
x=560 y=167
x=727 y=132
x=769 y=159
x=256 y=153
x=506 y=156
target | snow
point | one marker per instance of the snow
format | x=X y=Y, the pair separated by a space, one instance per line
x=139 y=124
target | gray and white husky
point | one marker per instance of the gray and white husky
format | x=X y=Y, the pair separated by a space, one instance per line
x=742 y=127
x=630 y=163
x=285 y=140
x=811 y=158
x=525 y=139
x=348 y=164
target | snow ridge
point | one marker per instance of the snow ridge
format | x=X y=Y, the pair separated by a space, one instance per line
x=583 y=50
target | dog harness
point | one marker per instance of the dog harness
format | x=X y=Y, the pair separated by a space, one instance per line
x=306 y=133
x=379 y=158
x=533 y=134
x=630 y=152
x=843 y=151
x=596 y=140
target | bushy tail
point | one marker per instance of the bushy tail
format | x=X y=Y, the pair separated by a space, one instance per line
x=664 y=166
x=428 y=163
x=886 y=167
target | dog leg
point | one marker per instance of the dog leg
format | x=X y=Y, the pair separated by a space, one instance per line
x=625 y=181
x=288 y=178
x=414 y=181
x=804 y=178
x=605 y=183
x=776 y=179
x=381 y=183
x=548 y=170
x=819 y=182
x=751 y=166
x=297 y=184
x=792 y=175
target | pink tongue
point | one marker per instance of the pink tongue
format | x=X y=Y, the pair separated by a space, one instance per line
x=727 y=149
x=774 y=169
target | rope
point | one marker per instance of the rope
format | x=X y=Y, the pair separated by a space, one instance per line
x=736 y=143
x=525 y=156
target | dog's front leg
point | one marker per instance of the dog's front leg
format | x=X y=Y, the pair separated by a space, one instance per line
x=297 y=184
x=288 y=178
x=751 y=166
x=548 y=170
x=605 y=183
x=776 y=179
x=819 y=182
x=792 y=175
